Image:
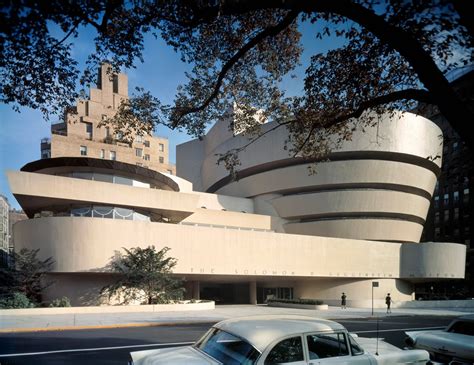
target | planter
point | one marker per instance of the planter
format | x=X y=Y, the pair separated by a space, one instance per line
x=299 y=306
x=112 y=309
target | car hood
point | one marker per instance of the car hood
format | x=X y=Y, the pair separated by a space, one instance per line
x=452 y=344
x=173 y=355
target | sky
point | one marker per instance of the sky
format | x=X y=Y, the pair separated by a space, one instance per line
x=160 y=73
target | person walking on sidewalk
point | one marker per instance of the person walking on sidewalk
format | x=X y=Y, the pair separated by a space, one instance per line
x=388 y=301
x=343 y=301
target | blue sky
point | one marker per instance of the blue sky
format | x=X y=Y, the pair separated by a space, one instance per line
x=161 y=72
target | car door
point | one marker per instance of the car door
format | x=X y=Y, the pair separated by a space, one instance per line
x=333 y=348
x=289 y=351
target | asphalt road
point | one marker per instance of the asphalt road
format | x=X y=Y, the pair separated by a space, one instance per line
x=112 y=346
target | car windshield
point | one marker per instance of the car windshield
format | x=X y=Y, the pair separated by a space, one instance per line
x=227 y=348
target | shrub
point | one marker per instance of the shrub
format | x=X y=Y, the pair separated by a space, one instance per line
x=16 y=301
x=296 y=301
x=60 y=302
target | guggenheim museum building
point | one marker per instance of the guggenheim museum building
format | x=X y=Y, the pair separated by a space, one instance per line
x=279 y=231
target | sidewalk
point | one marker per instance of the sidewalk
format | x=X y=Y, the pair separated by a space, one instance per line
x=26 y=323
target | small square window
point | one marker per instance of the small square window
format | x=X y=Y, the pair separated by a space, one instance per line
x=138 y=152
x=162 y=159
x=147 y=157
x=83 y=150
x=147 y=143
x=161 y=147
x=113 y=155
x=446 y=199
x=102 y=153
x=138 y=138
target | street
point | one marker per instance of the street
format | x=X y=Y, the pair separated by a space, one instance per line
x=112 y=346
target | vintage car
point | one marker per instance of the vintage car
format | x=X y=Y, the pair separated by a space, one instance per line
x=264 y=340
x=453 y=345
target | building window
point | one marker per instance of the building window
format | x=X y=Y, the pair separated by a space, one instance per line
x=161 y=147
x=446 y=215
x=170 y=172
x=467 y=230
x=147 y=157
x=456 y=213
x=446 y=199
x=119 y=135
x=466 y=195
x=88 y=130
x=113 y=155
x=83 y=150
x=456 y=196
x=437 y=232
x=436 y=202
x=139 y=139
x=45 y=153
x=107 y=131
x=102 y=153
x=162 y=160
x=147 y=143
x=436 y=218
x=138 y=152
x=456 y=232
x=139 y=164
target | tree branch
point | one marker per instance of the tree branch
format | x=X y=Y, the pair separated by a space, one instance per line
x=407 y=94
x=268 y=32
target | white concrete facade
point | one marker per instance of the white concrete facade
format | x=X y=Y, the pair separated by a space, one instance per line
x=277 y=231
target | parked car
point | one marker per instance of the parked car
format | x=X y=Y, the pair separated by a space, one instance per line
x=453 y=345
x=265 y=340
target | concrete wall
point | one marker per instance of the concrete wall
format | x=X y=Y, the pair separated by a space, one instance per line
x=85 y=245
x=378 y=186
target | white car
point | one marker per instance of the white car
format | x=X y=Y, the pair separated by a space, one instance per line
x=265 y=340
x=453 y=345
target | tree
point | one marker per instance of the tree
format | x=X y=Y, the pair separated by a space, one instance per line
x=145 y=275
x=27 y=275
x=392 y=55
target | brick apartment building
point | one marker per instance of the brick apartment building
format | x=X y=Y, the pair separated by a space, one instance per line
x=451 y=214
x=80 y=135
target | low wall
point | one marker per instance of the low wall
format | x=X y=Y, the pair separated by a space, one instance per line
x=437 y=304
x=112 y=309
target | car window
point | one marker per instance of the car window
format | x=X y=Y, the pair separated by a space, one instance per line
x=325 y=345
x=355 y=348
x=462 y=327
x=286 y=351
x=227 y=348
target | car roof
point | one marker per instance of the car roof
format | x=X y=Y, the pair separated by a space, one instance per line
x=261 y=331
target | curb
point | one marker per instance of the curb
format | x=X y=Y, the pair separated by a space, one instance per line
x=105 y=326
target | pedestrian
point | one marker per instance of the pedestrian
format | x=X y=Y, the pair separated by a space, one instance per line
x=343 y=301
x=388 y=301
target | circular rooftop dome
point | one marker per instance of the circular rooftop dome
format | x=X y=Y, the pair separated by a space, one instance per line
x=63 y=165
